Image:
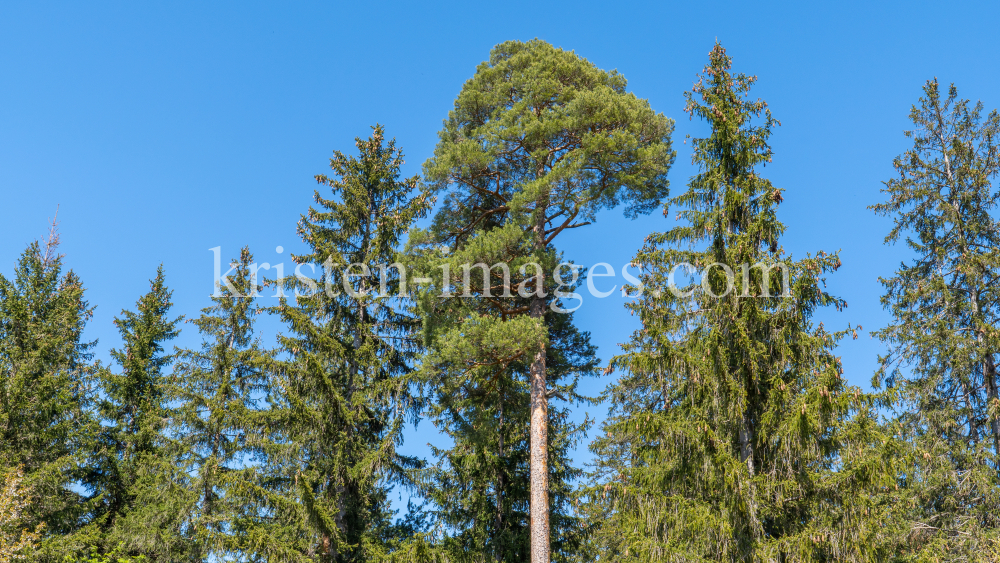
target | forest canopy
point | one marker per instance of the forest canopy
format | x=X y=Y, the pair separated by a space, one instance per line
x=447 y=298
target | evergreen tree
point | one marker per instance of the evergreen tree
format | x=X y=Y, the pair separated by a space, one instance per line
x=135 y=415
x=540 y=140
x=221 y=426
x=44 y=367
x=475 y=370
x=198 y=498
x=729 y=437
x=479 y=399
x=343 y=400
x=944 y=337
x=17 y=542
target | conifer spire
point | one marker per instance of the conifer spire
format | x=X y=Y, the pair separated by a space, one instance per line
x=728 y=422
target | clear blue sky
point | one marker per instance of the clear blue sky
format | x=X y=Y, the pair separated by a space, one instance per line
x=164 y=129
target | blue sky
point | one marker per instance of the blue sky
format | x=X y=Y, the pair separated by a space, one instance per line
x=162 y=130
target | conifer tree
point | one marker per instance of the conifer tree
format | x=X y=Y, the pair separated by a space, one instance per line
x=17 y=542
x=729 y=437
x=134 y=413
x=479 y=398
x=342 y=399
x=944 y=338
x=221 y=428
x=44 y=368
x=199 y=497
x=475 y=371
x=540 y=140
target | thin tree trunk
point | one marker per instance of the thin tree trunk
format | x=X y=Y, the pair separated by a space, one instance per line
x=539 y=460
x=971 y=418
x=746 y=450
x=539 y=417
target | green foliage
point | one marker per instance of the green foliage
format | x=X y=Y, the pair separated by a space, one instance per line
x=418 y=548
x=221 y=427
x=944 y=338
x=17 y=542
x=135 y=415
x=94 y=555
x=729 y=437
x=198 y=495
x=44 y=367
x=479 y=399
x=538 y=142
x=340 y=399
x=732 y=435
x=541 y=129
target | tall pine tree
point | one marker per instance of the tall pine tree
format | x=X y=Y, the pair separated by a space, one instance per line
x=945 y=334
x=478 y=386
x=538 y=142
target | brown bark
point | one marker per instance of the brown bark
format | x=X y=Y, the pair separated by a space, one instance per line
x=746 y=448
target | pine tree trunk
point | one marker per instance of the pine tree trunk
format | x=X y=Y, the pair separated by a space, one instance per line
x=539 y=460
x=539 y=419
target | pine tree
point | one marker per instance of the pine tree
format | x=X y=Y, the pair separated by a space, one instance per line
x=475 y=371
x=479 y=399
x=538 y=142
x=135 y=416
x=944 y=337
x=343 y=400
x=44 y=369
x=729 y=437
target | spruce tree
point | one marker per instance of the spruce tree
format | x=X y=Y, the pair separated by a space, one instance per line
x=199 y=498
x=17 y=542
x=135 y=415
x=944 y=338
x=44 y=370
x=538 y=141
x=340 y=396
x=221 y=426
x=729 y=437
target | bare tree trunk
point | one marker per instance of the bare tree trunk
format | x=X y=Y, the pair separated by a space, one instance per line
x=539 y=418
x=746 y=449
x=539 y=460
